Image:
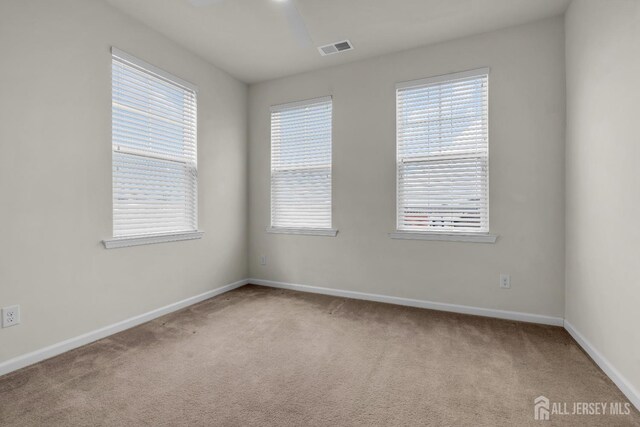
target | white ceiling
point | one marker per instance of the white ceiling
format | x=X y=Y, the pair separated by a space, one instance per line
x=252 y=39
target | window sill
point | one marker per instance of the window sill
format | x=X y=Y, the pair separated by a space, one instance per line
x=451 y=237
x=123 y=242
x=331 y=232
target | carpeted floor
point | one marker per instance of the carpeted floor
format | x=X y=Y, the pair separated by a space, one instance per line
x=259 y=356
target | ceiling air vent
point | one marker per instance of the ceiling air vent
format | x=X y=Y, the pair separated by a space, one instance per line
x=335 y=47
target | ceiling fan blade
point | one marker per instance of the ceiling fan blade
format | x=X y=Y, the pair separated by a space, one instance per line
x=296 y=23
x=201 y=3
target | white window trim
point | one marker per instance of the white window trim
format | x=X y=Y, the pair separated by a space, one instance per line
x=128 y=241
x=133 y=60
x=445 y=237
x=451 y=236
x=124 y=242
x=296 y=104
x=443 y=78
x=330 y=232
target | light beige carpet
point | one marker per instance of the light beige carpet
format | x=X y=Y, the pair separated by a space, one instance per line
x=259 y=356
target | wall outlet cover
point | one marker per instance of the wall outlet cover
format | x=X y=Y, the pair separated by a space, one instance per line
x=505 y=281
x=10 y=316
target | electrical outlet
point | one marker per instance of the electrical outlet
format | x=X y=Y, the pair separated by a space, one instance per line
x=10 y=316
x=505 y=281
x=263 y=260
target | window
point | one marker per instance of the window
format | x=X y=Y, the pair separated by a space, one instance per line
x=155 y=176
x=301 y=166
x=443 y=154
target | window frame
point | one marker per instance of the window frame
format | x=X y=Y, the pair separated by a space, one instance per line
x=480 y=236
x=118 y=55
x=299 y=230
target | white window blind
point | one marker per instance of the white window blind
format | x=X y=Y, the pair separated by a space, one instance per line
x=301 y=164
x=442 y=154
x=154 y=150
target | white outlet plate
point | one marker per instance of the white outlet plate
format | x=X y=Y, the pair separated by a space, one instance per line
x=10 y=316
x=505 y=281
x=263 y=260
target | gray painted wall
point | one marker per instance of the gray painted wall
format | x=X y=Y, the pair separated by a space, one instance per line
x=603 y=180
x=527 y=120
x=55 y=176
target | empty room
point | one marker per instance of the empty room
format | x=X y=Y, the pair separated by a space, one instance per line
x=319 y=213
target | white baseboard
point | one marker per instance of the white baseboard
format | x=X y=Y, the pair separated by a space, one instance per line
x=625 y=386
x=61 y=347
x=455 y=308
x=53 y=350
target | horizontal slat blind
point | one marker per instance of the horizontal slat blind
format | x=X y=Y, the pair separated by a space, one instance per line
x=442 y=154
x=154 y=157
x=301 y=164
